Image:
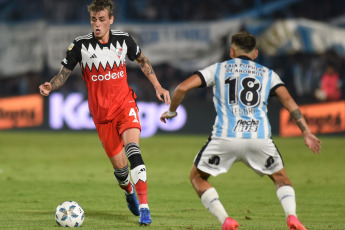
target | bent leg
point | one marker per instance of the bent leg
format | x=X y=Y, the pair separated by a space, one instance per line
x=121 y=171
x=286 y=196
x=210 y=198
x=199 y=180
x=138 y=170
x=130 y=139
x=285 y=192
x=280 y=178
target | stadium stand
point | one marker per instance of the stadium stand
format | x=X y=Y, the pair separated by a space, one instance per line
x=301 y=71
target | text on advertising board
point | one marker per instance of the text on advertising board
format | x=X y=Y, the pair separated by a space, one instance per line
x=321 y=118
x=73 y=112
x=21 y=111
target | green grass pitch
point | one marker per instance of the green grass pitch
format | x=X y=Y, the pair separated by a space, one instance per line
x=39 y=170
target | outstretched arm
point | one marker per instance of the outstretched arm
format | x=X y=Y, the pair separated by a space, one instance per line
x=193 y=81
x=56 y=82
x=147 y=69
x=311 y=141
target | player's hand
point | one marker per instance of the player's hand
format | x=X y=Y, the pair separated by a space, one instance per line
x=45 y=89
x=163 y=95
x=312 y=142
x=167 y=115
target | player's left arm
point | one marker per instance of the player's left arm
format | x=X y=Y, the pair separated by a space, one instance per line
x=311 y=141
x=147 y=69
x=193 y=81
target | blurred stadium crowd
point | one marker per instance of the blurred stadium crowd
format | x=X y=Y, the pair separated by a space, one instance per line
x=66 y=11
x=301 y=72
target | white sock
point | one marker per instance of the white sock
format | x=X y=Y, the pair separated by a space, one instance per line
x=143 y=206
x=286 y=196
x=210 y=200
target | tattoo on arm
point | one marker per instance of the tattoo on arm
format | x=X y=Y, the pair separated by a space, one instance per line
x=301 y=126
x=147 y=69
x=296 y=114
x=60 y=78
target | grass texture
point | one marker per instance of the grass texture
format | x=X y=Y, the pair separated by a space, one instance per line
x=40 y=170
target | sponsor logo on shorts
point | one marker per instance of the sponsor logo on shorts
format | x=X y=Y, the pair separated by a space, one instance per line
x=269 y=162
x=214 y=160
x=247 y=125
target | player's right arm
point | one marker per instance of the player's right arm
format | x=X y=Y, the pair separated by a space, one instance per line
x=311 y=141
x=193 y=81
x=56 y=82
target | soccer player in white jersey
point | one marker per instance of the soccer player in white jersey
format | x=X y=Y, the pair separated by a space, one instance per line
x=112 y=103
x=241 y=131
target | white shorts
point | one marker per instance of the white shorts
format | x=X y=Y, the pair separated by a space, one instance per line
x=218 y=155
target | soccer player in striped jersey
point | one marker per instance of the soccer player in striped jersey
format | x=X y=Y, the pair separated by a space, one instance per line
x=242 y=131
x=102 y=58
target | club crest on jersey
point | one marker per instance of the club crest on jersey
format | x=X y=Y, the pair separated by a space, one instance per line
x=119 y=52
x=247 y=125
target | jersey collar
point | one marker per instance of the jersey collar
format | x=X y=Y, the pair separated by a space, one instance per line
x=244 y=58
x=102 y=44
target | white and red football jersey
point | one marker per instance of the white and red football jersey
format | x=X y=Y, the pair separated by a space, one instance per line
x=104 y=71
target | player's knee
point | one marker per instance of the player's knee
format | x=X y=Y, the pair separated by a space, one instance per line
x=196 y=176
x=280 y=179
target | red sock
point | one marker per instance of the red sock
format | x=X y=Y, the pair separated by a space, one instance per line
x=128 y=188
x=141 y=188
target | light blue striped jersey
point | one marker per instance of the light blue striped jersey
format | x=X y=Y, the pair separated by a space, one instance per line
x=241 y=88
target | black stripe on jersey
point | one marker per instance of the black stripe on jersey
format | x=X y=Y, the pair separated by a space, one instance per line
x=197 y=159
x=87 y=36
x=203 y=84
x=118 y=32
x=273 y=90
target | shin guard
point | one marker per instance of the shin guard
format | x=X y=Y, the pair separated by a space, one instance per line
x=138 y=171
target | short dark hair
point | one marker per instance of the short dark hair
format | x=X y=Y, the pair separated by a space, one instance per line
x=244 y=40
x=98 y=5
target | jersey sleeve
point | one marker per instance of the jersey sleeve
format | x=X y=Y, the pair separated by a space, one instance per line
x=73 y=56
x=134 y=50
x=275 y=83
x=207 y=75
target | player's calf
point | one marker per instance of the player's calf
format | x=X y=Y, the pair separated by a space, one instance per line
x=138 y=171
x=123 y=178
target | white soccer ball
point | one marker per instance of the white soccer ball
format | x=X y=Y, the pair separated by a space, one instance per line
x=69 y=214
